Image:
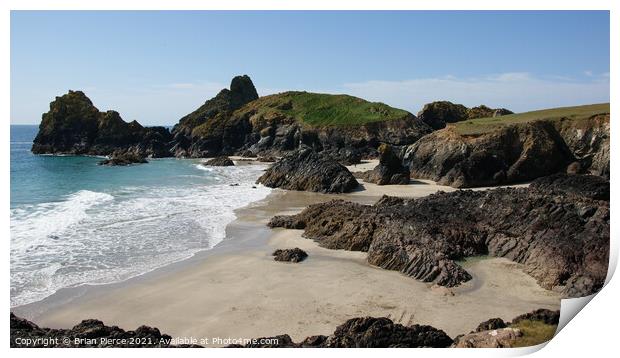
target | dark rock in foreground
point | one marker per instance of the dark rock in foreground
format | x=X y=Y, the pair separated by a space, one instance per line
x=543 y=315
x=290 y=255
x=89 y=333
x=562 y=239
x=222 y=161
x=369 y=332
x=493 y=323
x=123 y=159
x=304 y=169
x=389 y=170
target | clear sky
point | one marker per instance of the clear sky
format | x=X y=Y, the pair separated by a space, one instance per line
x=156 y=67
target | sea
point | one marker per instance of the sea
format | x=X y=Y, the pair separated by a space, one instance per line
x=74 y=222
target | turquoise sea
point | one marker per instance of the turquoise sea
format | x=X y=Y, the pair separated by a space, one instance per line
x=74 y=222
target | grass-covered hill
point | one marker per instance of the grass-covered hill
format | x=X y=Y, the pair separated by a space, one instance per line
x=320 y=109
x=489 y=124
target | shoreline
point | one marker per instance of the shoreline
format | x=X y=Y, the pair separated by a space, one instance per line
x=236 y=289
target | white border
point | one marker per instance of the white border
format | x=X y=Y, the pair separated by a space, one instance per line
x=592 y=332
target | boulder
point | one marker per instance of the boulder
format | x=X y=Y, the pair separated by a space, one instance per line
x=491 y=324
x=496 y=338
x=483 y=111
x=543 y=315
x=222 y=161
x=561 y=237
x=389 y=170
x=306 y=170
x=122 y=159
x=290 y=255
x=437 y=114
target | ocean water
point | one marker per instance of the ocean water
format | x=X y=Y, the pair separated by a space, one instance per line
x=74 y=222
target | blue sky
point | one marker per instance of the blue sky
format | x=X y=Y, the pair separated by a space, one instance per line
x=156 y=67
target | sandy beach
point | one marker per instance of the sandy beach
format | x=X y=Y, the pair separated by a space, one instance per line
x=238 y=290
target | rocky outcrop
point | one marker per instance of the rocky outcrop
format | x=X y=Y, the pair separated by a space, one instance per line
x=290 y=255
x=561 y=239
x=512 y=154
x=307 y=170
x=277 y=124
x=438 y=114
x=493 y=323
x=123 y=158
x=73 y=125
x=389 y=170
x=88 y=333
x=483 y=111
x=222 y=161
x=543 y=315
x=188 y=142
x=588 y=140
x=367 y=332
x=496 y=338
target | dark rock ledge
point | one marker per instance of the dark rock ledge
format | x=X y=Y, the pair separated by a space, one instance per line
x=361 y=332
x=559 y=232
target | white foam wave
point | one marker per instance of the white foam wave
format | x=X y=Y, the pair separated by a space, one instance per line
x=94 y=238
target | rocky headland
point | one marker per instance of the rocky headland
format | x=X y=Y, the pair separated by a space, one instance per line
x=557 y=230
x=513 y=153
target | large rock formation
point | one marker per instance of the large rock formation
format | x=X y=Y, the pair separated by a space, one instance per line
x=307 y=170
x=560 y=235
x=346 y=127
x=74 y=125
x=389 y=170
x=438 y=114
x=511 y=154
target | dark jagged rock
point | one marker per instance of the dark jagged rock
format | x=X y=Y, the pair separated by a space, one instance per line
x=222 y=161
x=493 y=323
x=304 y=169
x=390 y=169
x=241 y=91
x=290 y=255
x=74 y=125
x=437 y=114
x=496 y=338
x=368 y=332
x=561 y=239
x=267 y=159
x=512 y=154
x=590 y=186
x=123 y=158
x=88 y=333
x=542 y=314
x=483 y=111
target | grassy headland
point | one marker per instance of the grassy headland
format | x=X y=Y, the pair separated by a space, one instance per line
x=484 y=125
